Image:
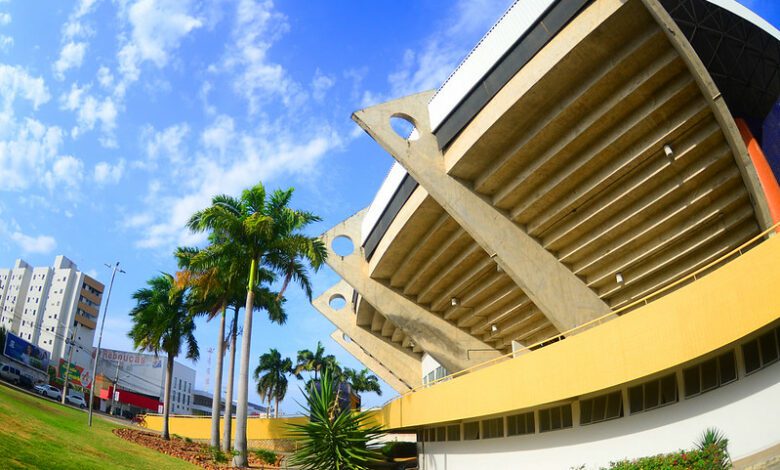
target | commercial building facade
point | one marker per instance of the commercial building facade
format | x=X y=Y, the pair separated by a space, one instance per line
x=51 y=306
x=572 y=259
x=140 y=383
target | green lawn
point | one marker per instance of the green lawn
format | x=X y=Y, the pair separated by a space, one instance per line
x=38 y=433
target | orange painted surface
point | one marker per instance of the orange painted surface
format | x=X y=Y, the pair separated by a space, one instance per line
x=765 y=175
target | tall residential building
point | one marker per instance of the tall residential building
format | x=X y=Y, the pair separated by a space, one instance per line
x=48 y=306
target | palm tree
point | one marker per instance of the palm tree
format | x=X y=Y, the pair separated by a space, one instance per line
x=313 y=361
x=264 y=300
x=162 y=322
x=271 y=376
x=333 y=438
x=269 y=234
x=212 y=290
x=363 y=381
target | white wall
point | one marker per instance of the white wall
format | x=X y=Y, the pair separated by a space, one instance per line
x=747 y=411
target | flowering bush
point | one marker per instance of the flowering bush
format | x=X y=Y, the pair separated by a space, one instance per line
x=711 y=457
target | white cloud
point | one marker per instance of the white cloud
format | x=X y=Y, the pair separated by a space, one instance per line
x=157 y=28
x=168 y=143
x=428 y=66
x=257 y=27
x=91 y=111
x=219 y=135
x=25 y=156
x=65 y=175
x=5 y=19
x=106 y=173
x=320 y=84
x=105 y=77
x=264 y=154
x=93 y=273
x=74 y=27
x=6 y=42
x=16 y=83
x=41 y=244
x=71 y=56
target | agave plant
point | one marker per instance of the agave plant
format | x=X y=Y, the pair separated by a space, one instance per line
x=334 y=438
x=713 y=440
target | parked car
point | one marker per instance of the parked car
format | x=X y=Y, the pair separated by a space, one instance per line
x=10 y=374
x=76 y=399
x=47 y=390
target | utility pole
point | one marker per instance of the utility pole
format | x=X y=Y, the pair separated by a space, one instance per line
x=100 y=340
x=72 y=343
x=113 y=393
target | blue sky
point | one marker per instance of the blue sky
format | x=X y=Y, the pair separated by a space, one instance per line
x=122 y=117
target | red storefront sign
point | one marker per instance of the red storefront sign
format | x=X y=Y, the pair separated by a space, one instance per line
x=130 y=398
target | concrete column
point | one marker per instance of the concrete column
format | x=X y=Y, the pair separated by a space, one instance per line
x=452 y=347
x=359 y=353
x=401 y=363
x=556 y=291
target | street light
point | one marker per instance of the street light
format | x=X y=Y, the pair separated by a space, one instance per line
x=100 y=338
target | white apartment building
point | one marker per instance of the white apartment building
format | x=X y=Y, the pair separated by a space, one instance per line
x=48 y=306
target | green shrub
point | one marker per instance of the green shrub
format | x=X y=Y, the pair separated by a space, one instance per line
x=217 y=456
x=266 y=456
x=710 y=457
x=188 y=440
x=711 y=453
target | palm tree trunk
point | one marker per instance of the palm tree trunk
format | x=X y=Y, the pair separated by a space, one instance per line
x=218 y=382
x=276 y=408
x=241 y=458
x=167 y=398
x=228 y=419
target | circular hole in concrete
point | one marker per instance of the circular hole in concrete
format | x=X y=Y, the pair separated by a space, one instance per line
x=337 y=301
x=404 y=127
x=342 y=245
x=346 y=338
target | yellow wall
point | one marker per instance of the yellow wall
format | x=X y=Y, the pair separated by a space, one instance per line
x=199 y=427
x=718 y=309
x=715 y=311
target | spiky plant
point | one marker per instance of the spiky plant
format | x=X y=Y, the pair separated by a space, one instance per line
x=713 y=439
x=333 y=439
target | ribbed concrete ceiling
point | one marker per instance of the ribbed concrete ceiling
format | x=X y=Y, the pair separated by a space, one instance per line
x=612 y=160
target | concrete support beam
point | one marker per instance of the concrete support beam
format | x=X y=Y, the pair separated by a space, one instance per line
x=559 y=294
x=719 y=108
x=359 y=353
x=452 y=347
x=401 y=363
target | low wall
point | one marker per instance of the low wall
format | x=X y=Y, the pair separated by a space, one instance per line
x=268 y=433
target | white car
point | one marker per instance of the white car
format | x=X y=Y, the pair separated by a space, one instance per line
x=47 y=390
x=76 y=399
x=10 y=374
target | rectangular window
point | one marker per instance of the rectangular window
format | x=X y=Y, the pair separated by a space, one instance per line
x=471 y=431
x=492 y=428
x=441 y=434
x=762 y=351
x=453 y=432
x=710 y=374
x=653 y=394
x=558 y=417
x=517 y=425
x=601 y=408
